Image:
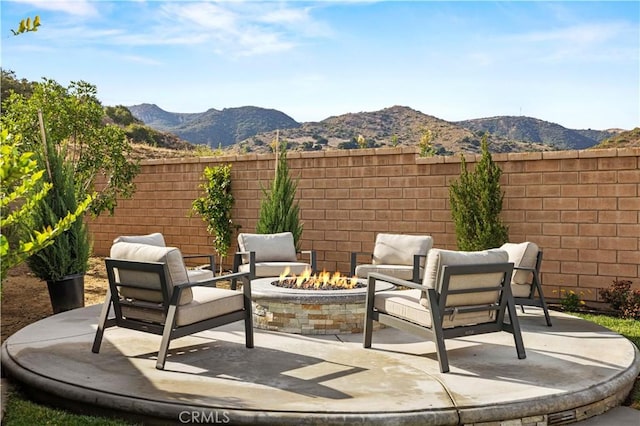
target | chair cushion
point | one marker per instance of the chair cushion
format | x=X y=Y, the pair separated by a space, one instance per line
x=274 y=269
x=155 y=239
x=397 y=249
x=437 y=258
x=170 y=256
x=268 y=247
x=404 y=272
x=406 y=304
x=208 y=302
x=522 y=255
x=199 y=274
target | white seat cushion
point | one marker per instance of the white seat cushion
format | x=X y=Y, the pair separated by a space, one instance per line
x=398 y=249
x=208 y=302
x=406 y=304
x=268 y=247
x=199 y=274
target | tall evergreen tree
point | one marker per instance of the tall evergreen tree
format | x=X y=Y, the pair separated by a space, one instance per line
x=476 y=204
x=279 y=211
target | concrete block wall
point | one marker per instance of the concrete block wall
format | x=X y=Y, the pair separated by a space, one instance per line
x=581 y=207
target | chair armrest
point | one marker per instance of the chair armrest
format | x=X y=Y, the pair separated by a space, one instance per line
x=237 y=261
x=397 y=281
x=312 y=259
x=354 y=260
x=211 y=257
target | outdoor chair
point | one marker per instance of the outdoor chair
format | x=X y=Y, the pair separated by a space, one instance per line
x=149 y=291
x=525 y=282
x=270 y=255
x=397 y=255
x=202 y=272
x=463 y=293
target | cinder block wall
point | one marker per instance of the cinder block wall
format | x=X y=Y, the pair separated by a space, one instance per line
x=581 y=207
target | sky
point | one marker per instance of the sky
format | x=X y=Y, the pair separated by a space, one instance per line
x=572 y=63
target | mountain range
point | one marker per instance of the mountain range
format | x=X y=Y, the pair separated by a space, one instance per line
x=252 y=129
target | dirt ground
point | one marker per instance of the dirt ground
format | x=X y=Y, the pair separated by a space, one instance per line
x=25 y=298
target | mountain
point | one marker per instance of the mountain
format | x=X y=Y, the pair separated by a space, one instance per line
x=622 y=139
x=214 y=127
x=535 y=130
x=394 y=126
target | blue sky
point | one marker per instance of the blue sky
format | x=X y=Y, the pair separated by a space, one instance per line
x=572 y=63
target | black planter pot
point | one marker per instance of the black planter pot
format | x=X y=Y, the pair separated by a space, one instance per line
x=67 y=293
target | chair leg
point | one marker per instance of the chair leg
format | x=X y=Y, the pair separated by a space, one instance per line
x=166 y=337
x=248 y=310
x=515 y=329
x=368 y=321
x=438 y=333
x=543 y=303
x=102 y=322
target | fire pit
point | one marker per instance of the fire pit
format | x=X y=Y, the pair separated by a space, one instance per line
x=302 y=306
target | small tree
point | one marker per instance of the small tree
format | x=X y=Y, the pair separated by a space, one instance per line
x=279 y=212
x=215 y=207
x=476 y=203
x=21 y=193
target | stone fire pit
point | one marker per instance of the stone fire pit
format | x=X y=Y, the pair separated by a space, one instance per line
x=304 y=311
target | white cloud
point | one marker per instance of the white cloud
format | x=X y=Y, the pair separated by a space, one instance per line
x=72 y=7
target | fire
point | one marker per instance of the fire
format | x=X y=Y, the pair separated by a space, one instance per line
x=320 y=280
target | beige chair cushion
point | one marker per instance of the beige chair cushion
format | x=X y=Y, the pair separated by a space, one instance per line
x=437 y=258
x=397 y=249
x=406 y=304
x=268 y=247
x=404 y=272
x=170 y=256
x=522 y=255
x=155 y=239
x=208 y=302
x=274 y=269
x=199 y=274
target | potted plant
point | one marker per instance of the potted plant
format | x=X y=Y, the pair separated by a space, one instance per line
x=64 y=263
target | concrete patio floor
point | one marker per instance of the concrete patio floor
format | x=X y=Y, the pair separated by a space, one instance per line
x=573 y=371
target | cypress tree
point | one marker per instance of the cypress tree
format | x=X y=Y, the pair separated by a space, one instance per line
x=476 y=204
x=279 y=211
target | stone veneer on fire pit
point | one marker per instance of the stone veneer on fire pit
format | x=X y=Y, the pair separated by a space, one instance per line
x=309 y=311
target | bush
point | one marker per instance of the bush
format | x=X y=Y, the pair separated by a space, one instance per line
x=476 y=203
x=623 y=299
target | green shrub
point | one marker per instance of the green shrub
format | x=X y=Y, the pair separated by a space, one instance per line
x=476 y=204
x=279 y=211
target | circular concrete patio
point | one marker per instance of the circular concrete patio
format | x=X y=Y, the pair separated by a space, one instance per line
x=573 y=370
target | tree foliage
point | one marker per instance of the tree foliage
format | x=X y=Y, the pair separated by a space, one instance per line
x=73 y=120
x=69 y=253
x=215 y=207
x=279 y=211
x=476 y=203
x=21 y=192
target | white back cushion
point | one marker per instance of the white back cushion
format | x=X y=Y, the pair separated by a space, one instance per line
x=397 y=249
x=437 y=258
x=522 y=255
x=155 y=239
x=268 y=247
x=170 y=256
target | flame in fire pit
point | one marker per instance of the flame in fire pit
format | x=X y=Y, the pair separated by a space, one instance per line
x=322 y=280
